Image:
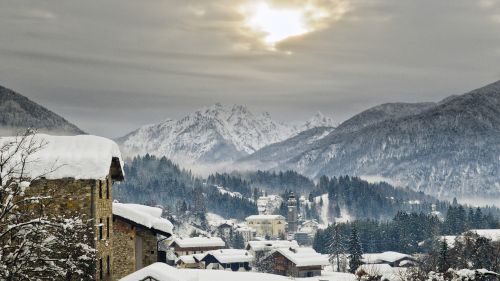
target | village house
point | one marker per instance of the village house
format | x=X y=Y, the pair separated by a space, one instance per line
x=190 y=261
x=225 y=229
x=245 y=231
x=227 y=259
x=297 y=262
x=393 y=259
x=136 y=229
x=196 y=245
x=272 y=226
x=78 y=173
x=259 y=247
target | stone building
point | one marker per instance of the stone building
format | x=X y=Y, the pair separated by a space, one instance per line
x=272 y=226
x=136 y=230
x=78 y=173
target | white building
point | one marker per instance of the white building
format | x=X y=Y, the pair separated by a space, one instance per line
x=267 y=225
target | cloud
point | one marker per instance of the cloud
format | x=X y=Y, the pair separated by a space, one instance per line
x=134 y=62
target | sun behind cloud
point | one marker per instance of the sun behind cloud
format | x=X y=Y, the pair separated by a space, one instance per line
x=273 y=21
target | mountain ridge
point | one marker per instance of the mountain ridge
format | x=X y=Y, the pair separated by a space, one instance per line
x=445 y=149
x=17 y=112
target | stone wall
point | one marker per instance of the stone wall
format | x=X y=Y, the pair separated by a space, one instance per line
x=70 y=198
x=103 y=214
x=149 y=254
x=123 y=249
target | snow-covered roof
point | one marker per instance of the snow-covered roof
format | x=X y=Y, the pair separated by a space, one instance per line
x=386 y=271
x=267 y=245
x=199 y=242
x=161 y=272
x=304 y=256
x=230 y=255
x=164 y=272
x=78 y=157
x=190 y=259
x=493 y=234
x=149 y=217
x=385 y=257
x=265 y=217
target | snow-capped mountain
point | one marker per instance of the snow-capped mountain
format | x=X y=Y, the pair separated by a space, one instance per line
x=18 y=112
x=213 y=134
x=318 y=120
x=447 y=149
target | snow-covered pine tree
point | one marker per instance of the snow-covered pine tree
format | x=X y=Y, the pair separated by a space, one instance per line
x=355 y=250
x=443 y=263
x=336 y=247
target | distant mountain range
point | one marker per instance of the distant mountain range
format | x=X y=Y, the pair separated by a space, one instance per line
x=215 y=134
x=18 y=112
x=450 y=148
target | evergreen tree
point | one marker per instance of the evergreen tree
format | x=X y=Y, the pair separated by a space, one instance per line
x=336 y=247
x=237 y=241
x=355 y=251
x=483 y=255
x=443 y=263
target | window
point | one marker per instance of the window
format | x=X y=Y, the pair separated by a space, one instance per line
x=108 y=266
x=100 y=229
x=100 y=189
x=107 y=227
x=100 y=269
x=107 y=189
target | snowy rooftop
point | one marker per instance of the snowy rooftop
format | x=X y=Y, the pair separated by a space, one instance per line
x=78 y=157
x=164 y=272
x=149 y=217
x=160 y=272
x=195 y=242
x=230 y=255
x=190 y=259
x=266 y=245
x=384 y=257
x=265 y=217
x=386 y=271
x=304 y=256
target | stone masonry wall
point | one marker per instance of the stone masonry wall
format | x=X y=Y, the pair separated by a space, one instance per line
x=123 y=249
x=69 y=198
x=103 y=194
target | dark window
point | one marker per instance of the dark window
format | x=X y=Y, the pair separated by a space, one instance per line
x=107 y=227
x=100 y=229
x=107 y=189
x=100 y=189
x=100 y=269
x=108 y=266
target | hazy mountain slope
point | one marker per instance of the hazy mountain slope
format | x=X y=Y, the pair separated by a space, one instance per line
x=18 y=112
x=282 y=152
x=451 y=149
x=279 y=153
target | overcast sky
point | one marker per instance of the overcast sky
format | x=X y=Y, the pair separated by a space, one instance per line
x=112 y=66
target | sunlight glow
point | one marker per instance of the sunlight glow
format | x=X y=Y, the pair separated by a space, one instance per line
x=278 y=23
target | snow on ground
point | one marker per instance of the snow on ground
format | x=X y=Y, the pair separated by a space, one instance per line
x=222 y=190
x=164 y=272
x=325 y=218
x=324 y=208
